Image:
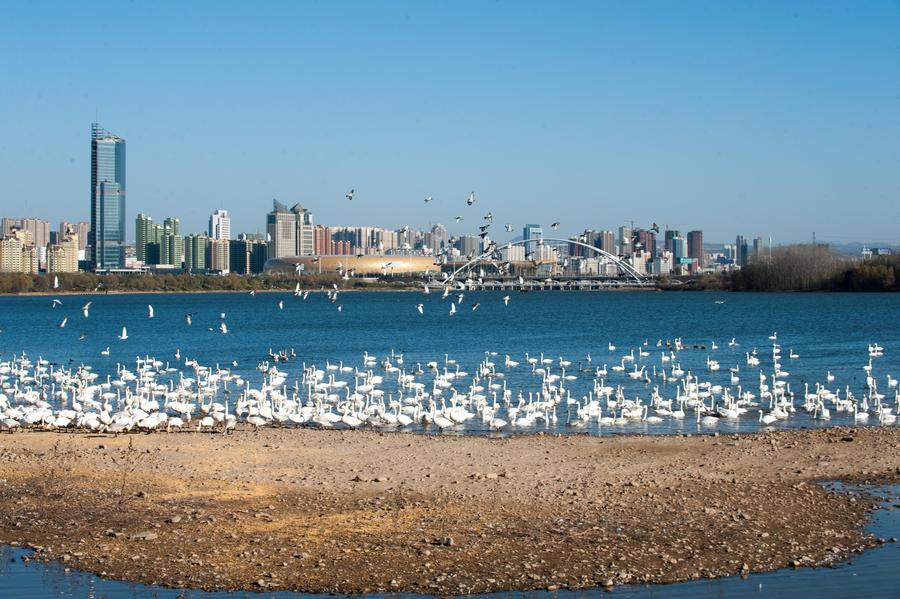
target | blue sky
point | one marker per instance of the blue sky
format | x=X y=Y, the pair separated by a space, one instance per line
x=760 y=118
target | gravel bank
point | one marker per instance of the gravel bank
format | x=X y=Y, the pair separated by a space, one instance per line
x=355 y=511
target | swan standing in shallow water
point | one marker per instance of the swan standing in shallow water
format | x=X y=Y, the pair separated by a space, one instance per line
x=318 y=395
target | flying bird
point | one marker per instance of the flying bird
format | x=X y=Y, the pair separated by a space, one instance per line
x=489 y=216
x=555 y=225
x=189 y=319
x=475 y=306
x=223 y=327
x=55 y=282
x=655 y=228
x=340 y=308
x=149 y=311
x=420 y=308
x=281 y=304
x=428 y=200
x=508 y=228
x=124 y=335
x=471 y=199
x=452 y=309
x=55 y=303
x=459 y=219
x=505 y=300
x=62 y=323
x=349 y=196
x=85 y=309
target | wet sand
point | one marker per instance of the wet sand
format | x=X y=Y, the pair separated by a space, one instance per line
x=354 y=511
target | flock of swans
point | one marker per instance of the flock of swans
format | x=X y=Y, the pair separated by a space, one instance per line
x=646 y=386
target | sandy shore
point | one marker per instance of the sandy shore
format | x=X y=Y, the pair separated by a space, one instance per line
x=352 y=511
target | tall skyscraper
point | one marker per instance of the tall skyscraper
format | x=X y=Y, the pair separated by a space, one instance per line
x=220 y=225
x=625 y=247
x=671 y=234
x=439 y=238
x=144 y=235
x=695 y=247
x=290 y=231
x=647 y=241
x=195 y=253
x=758 y=247
x=171 y=243
x=606 y=241
x=740 y=251
x=107 y=236
x=679 y=250
x=217 y=255
x=530 y=232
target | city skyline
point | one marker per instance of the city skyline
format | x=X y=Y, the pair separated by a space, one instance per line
x=759 y=122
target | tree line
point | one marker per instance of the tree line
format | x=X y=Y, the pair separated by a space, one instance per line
x=85 y=282
x=810 y=267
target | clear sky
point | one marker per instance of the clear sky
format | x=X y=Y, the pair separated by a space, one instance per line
x=761 y=118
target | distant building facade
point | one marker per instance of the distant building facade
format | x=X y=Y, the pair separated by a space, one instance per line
x=220 y=225
x=290 y=231
x=39 y=229
x=18 y=253
x=247 y=256
x=195 y=252
x=695 y=248
x=531 y=232
x=217 y=255
x=63 y=256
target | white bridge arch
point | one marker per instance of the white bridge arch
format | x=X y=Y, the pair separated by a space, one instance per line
x=621 y=264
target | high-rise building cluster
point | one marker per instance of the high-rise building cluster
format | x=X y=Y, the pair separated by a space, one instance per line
x=675 y=253
x=29 y=245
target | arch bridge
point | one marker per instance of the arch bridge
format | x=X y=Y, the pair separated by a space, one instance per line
x=623 y=266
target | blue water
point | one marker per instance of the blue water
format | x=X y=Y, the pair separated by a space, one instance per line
x=830 y=332
x=873 y=573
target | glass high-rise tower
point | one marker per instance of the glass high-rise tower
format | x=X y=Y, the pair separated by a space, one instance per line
x=107 y=234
